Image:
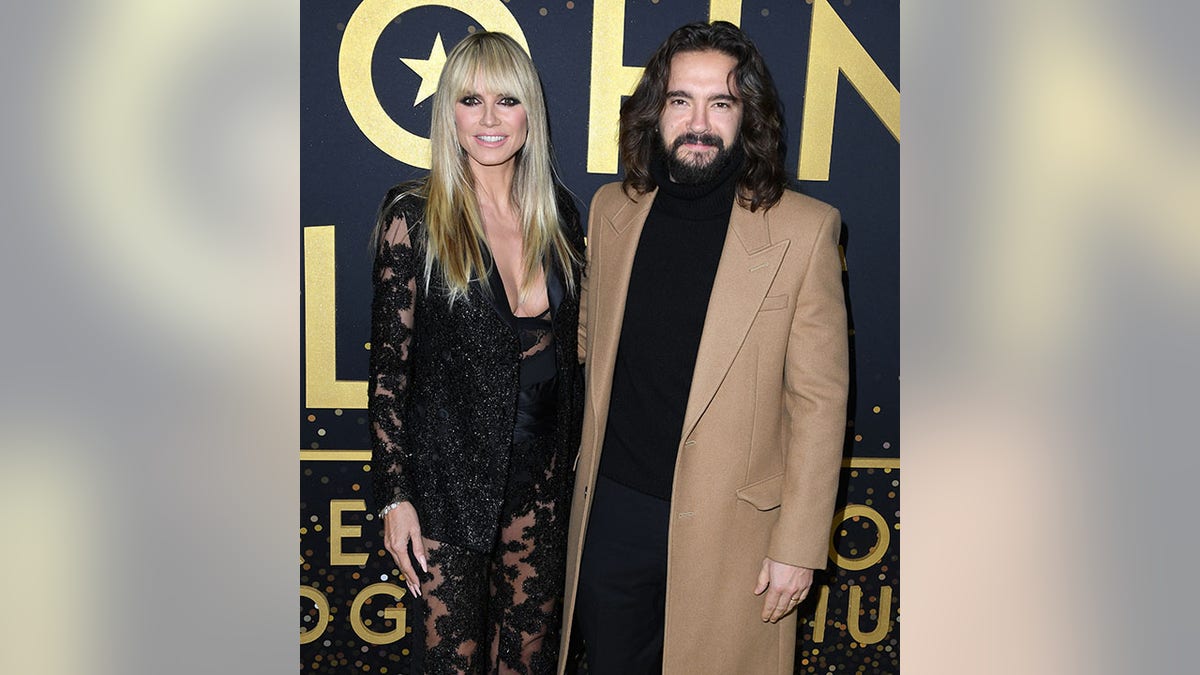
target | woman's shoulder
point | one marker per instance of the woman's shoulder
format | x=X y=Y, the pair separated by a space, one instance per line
x=404 y=200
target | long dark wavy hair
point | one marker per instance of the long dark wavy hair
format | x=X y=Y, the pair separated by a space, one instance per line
x=763 y=178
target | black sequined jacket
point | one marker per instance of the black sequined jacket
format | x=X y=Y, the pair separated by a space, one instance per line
x=444 y=382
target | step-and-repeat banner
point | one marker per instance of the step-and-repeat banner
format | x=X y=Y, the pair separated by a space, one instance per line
x=368 y=71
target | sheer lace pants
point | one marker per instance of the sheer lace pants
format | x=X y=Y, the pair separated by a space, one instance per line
x=499 y=612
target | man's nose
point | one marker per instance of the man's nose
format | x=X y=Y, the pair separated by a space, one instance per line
x=699 y=120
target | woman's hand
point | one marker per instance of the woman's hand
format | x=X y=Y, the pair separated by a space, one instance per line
x=401 y=527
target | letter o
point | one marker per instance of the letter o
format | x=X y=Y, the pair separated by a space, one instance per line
x=322 y=604
x=881 y=545
x=394 y=613
x=354 y=68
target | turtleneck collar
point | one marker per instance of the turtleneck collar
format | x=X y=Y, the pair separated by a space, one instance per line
x=701 y=201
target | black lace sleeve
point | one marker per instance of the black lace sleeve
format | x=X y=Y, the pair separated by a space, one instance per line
x=394 y=281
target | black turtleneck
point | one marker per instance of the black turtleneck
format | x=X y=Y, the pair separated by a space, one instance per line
x=669 y=285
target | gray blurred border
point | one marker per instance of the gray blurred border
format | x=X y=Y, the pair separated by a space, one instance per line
x=150 y=276
x=1050 y=256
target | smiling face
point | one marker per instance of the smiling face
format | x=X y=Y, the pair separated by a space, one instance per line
x=701 y=116
x=491 y=127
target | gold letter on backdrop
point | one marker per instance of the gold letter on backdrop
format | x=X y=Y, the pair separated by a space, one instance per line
x=881 y=545
x=354 y=67
x=322 y=389
x=883 y=623
x=818 y=622
x=832 y=49
x=725 y=10
x=322 y=604
x=612 y=79
x=395 y=613
x=338 y=531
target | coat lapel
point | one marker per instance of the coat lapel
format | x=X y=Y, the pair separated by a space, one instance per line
x=607 y=299
x=498 y=298
x=749 y=262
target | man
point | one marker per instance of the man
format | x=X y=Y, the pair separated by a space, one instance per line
x=714 y=331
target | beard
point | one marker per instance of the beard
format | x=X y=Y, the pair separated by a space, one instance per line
x=694 y=170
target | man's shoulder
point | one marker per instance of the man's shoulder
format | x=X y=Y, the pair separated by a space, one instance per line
x=610 y=198
x=610 y=195
x=795 y=206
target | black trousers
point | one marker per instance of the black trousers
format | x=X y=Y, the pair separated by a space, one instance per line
x=623 y=581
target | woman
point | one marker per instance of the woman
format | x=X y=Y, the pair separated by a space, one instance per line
x=475 y=391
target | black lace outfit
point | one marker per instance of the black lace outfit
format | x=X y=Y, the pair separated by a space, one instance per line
x=475 y=417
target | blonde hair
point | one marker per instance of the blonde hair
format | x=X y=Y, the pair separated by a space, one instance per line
x=454 y=235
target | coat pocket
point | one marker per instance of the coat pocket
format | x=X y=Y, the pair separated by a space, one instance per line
x=773 y=302
x=765 y=494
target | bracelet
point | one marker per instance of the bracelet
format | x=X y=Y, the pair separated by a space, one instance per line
x=383 y=512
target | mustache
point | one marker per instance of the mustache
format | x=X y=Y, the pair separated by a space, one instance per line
x=698 y=139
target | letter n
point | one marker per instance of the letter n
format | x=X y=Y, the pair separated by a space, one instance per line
x=833 y=49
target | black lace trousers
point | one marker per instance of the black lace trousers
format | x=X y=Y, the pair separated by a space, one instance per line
x=500 y=612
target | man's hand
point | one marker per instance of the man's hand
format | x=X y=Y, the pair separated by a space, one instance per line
x=786 y=586
x=400 y=526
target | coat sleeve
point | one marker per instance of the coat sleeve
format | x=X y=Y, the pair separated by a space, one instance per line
x=392 y=322
x=816 y=383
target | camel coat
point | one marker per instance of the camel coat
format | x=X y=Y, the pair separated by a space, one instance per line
x=760 y=452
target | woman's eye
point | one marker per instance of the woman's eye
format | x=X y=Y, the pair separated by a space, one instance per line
x=469 y=100
x=509 y=101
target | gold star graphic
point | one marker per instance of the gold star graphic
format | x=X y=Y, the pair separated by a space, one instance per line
x=429 y=69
